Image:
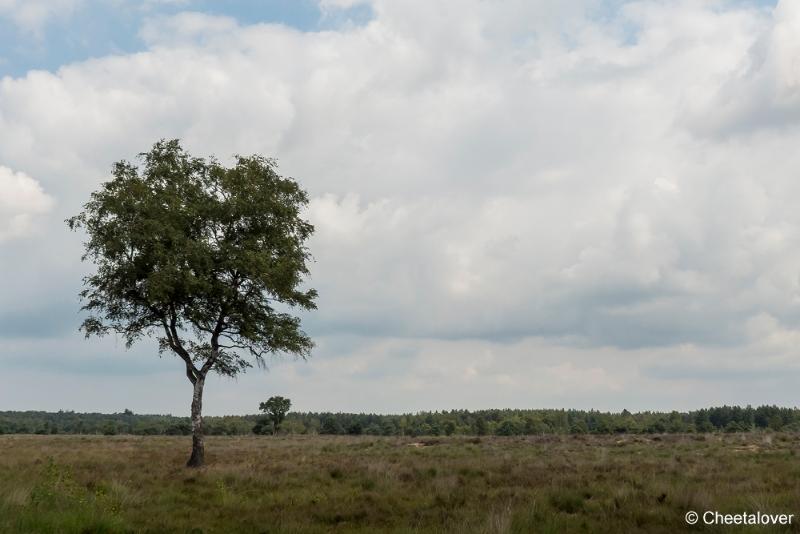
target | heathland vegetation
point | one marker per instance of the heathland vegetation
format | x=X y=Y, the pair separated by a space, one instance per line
x=440 y=423
x=303 y=483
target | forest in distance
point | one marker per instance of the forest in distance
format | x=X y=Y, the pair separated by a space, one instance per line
x=499 y=422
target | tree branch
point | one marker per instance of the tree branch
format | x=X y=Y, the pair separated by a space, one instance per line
x=214 y=344
x=174 y=341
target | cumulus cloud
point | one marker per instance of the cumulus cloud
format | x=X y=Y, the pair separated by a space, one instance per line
x=481 y=185
x=185 y=27
x=764 y=91
x=32 y=15
x=21 y=200
x=617 y=182
x=341 y=4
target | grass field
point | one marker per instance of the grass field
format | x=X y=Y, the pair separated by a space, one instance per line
x=92 y=484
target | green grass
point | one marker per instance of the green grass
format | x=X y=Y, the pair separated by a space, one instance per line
x=96 y=484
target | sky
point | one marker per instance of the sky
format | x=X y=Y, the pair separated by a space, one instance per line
x=518 y=203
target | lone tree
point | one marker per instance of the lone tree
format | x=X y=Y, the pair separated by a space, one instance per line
x=208 y=259
x=275 y=409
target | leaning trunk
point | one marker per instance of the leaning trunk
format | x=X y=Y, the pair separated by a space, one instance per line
x=198 y=450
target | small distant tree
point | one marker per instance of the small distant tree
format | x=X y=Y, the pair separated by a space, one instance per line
x=355 y=428
x=449 y=427
x=275 y=410
x=481 y=428
x=330 y=425
x=510 y=426
x=207 y=259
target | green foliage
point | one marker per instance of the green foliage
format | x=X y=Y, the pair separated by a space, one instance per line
x=481 y=428
x=510 y=426
x=454 y=422
x=198 y=255
x=275 y=409
x=330 y=425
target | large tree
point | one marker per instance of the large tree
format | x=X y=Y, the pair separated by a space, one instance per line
x=208 y=259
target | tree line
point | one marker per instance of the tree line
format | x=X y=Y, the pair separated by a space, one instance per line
x=439 y=423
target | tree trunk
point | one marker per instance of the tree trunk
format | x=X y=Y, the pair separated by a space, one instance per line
x=198 y=449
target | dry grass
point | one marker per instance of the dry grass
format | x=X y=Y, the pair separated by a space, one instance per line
x=82 y=484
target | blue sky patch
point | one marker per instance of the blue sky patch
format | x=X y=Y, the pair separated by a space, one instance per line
x=99 y=28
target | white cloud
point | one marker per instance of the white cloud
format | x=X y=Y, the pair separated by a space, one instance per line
x=491 y=174
x=184 y=27
x=32 y=15
x=764 y=91
x=340 y=4
x=478 y=184
x=21 y=199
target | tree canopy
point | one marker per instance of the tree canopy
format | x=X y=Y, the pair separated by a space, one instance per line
x=448 y=422
x=275 y=408
x=208 y=259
